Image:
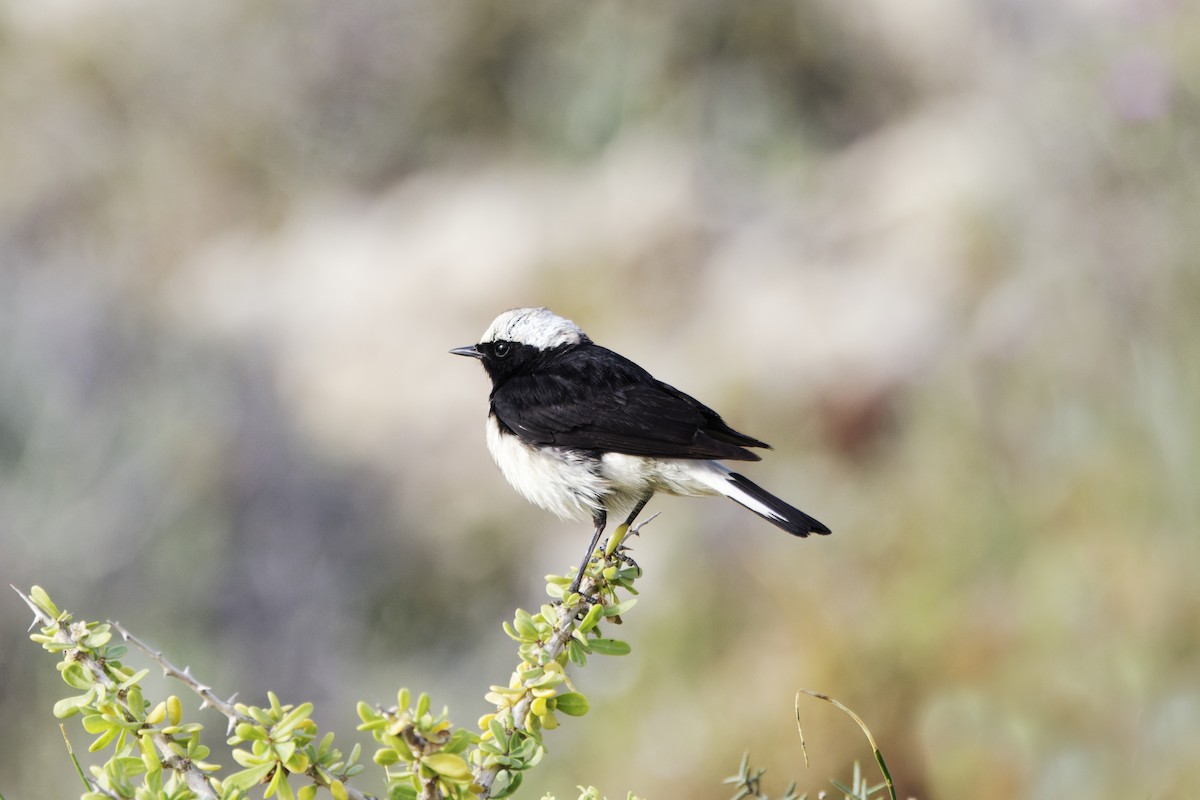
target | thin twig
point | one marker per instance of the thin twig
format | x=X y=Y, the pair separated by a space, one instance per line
x=87 y=782
x=195 y=779
x=800 y=731
x=887 y=776
x=564 y=629
x=209 y=699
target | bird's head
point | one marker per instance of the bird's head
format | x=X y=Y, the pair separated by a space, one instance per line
x=519 y=336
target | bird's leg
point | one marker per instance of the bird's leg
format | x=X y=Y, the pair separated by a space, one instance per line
x=623 y=556
x=600 y=518
x=623 y=529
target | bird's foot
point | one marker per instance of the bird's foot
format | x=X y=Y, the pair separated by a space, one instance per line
x=588 y=599
x=628 y=560
x=576 y=584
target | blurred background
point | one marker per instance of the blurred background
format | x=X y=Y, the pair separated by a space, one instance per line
x=941 y=255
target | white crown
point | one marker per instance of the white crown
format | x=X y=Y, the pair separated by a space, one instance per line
x=539 y=327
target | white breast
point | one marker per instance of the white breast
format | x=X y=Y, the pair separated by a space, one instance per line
x=567 y=484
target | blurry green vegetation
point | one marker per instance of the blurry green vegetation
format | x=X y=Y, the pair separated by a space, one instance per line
x=146 y=750
x=942 y=257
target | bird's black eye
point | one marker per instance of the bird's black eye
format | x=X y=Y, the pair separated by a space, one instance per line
x=501 y=349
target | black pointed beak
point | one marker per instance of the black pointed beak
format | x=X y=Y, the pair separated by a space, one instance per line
x=470 y=350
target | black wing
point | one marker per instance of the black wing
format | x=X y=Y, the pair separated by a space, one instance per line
x=594 y=399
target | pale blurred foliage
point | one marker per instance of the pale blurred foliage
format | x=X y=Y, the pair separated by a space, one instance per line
x=940 y=254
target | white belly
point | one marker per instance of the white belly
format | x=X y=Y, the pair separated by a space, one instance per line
x=566 y=484
x=574 y=485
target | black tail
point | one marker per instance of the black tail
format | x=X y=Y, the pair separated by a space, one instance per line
x=779 y=513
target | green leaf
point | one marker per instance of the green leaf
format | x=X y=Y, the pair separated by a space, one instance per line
x=524 y=625
x=620 y=608
x=126 y=766
x=402 y=791
x=134 y=678
x=102 y=741
x=247 y=732
x=77 y=676
x=292 y=719
x=98 y=638
x=279 y=786
x=459 y=741
x=69 y=706
x=252 y=760
x=95 y=723
x=135 y=701
x=249 y=777
x=573 y=704
x=366 y=713
x=609 y=647
x=591 y=618
x=514 y=783
x=386 y=757
x=174 y=709
x=577 y=652
x=298 y=763
x=448 y=764
x=42 y=600
x=497 y=729
x=502 y=784
x=260 y=716
x=149 y=756
x=153 y=781
x=284 y=750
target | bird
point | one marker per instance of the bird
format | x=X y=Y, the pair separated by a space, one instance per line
x=584 y=432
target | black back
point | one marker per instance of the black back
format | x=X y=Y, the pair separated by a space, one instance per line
x=588 y=397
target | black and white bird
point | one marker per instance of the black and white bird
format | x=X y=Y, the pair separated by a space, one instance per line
x=584 y=432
